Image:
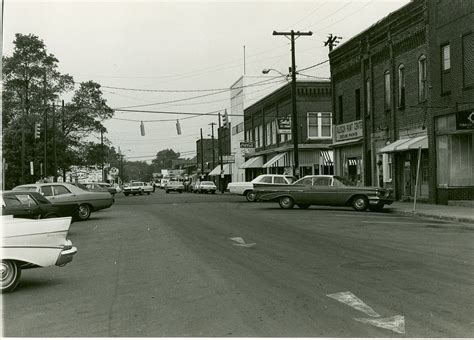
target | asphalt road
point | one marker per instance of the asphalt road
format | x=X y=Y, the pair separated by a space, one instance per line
x=216 y=266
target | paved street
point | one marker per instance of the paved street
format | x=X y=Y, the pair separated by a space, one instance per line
x=216 y=265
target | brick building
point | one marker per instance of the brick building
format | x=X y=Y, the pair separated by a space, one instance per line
x=381 y=103
x=451 y=39
x=273 y=145
x=206 y=155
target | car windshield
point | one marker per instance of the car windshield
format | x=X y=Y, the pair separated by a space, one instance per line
x=342 y=182
x=25 y=188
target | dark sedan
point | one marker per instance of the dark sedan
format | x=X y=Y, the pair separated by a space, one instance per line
x=25 y=204
x=324 y=190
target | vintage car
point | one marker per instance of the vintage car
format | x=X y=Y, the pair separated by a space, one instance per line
x=324 y=190
x=246 y=188
x=98 y=186
x=32 y=244
x=31 y=204
x=133 y=188
x=148 y=188
x=174 y=186
x=206 y=187
x=60 y=193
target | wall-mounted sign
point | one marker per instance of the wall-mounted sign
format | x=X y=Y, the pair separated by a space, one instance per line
x=247 y=145
x=228 y=158
x=349 y=130
x=284 y=125
x=465 y=120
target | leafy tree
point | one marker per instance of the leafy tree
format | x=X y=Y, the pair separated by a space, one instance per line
x=164 y=159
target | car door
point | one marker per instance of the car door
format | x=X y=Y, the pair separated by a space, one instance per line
x=303 y=191
x=20 y=205
x=61 y=194
x=324 y=193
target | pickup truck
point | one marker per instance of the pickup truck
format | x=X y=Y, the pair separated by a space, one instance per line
x=133 y=188
x=246 y=188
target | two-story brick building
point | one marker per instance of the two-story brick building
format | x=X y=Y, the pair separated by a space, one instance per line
x=451 y=36
x=264 y=124
x=381 y=103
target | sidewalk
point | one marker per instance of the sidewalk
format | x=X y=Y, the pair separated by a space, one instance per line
x=440 y=212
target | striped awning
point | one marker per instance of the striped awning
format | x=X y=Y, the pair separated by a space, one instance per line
x=217 y=170
x=279 y=160
x=352 y=161
x=253 y=162
x=327 y=157
x=406 y=144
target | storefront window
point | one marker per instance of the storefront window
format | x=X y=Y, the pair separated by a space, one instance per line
x=455 y=160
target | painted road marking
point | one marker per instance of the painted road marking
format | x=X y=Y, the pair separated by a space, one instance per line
x=350 y=299
x=241 y=243
x=395 y=323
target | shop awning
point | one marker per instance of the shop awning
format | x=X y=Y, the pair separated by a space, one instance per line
x=253 y=162
x=217 y=170
x=406 y=144
x=277 y=160
x=346 y=142
x=326 y=155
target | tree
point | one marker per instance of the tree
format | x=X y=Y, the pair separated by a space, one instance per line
x=164 y=159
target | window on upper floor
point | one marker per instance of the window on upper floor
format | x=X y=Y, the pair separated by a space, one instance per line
x=357 y=103
x=260 y=135
x=268 y=134
x=274 y=132
x=319 y=125
x=340 y=116
x=446 y=68
x=401 y=86
x=387 y=90
x=468 y=60
x=422 y=79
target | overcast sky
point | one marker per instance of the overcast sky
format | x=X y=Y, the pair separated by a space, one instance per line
x=182 y=46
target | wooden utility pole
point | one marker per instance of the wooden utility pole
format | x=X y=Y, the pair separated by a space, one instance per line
x=212 y=136
x=221 y=185
x=202 y=157
x=294 y=116
x=45 y=128
x=55 y=159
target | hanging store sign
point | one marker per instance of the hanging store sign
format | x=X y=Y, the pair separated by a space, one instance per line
x=247 y=147
x=465 y=120
x=284 y=125
x=228 y=158
x=349 y=130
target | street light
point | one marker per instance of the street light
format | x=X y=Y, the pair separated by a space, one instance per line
x=267 y=70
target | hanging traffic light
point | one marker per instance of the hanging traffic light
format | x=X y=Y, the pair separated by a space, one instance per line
x=178 y=127
x=37 y=130
x=142 y=129
x=225 y=119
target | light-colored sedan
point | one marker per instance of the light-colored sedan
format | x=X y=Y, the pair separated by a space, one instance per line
x=58 y=193
x=207 y=187
x=29 y=244
x=247 y=188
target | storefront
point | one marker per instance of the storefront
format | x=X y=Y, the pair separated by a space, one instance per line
x=400 y=167
x=311 y=162
x=253 y=167
x=349 y=151
x=454 y=137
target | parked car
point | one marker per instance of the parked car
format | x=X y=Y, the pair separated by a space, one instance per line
x=247 y=188
x=28 y=204
x=174 y=186
x=207 y=187
x=163 y=182
x=60 y=193
x=133 y=188
x=148 y=188
x=20 y=247
x=97 y=186
x=324 y=190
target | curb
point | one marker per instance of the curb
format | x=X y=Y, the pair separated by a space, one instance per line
x=434 y=216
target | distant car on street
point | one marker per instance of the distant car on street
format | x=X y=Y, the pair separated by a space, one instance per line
x=207 y=187
x=246 y=188
x=60 y=193
x=324 y=190
x=174 y=186
x=163 y=182
x=32 y=204
x=148 y=188
x=133 y=188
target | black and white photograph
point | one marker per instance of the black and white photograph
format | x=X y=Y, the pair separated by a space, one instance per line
x=237 y=169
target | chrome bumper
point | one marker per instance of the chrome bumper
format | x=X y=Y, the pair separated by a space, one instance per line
x=66 y=254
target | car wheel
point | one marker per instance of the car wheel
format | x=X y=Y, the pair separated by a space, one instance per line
x=250 y=196
x=167 y=191
x=286 y=202
x=360 y=203
x=181 y=191
x=84 y=212
x=10 y=273
x=141 y=193
x=303 y=206
x=213 y=192
x=126 y=194
x=148 y=193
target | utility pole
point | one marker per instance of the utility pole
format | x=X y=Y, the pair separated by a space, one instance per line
x=102 y=152
x=63 y=165
x=221 y=185
x=212 y=136
x=294 y=125
x=202 y=157
x=45 y=128
x=333 y=41
x=55 y=164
